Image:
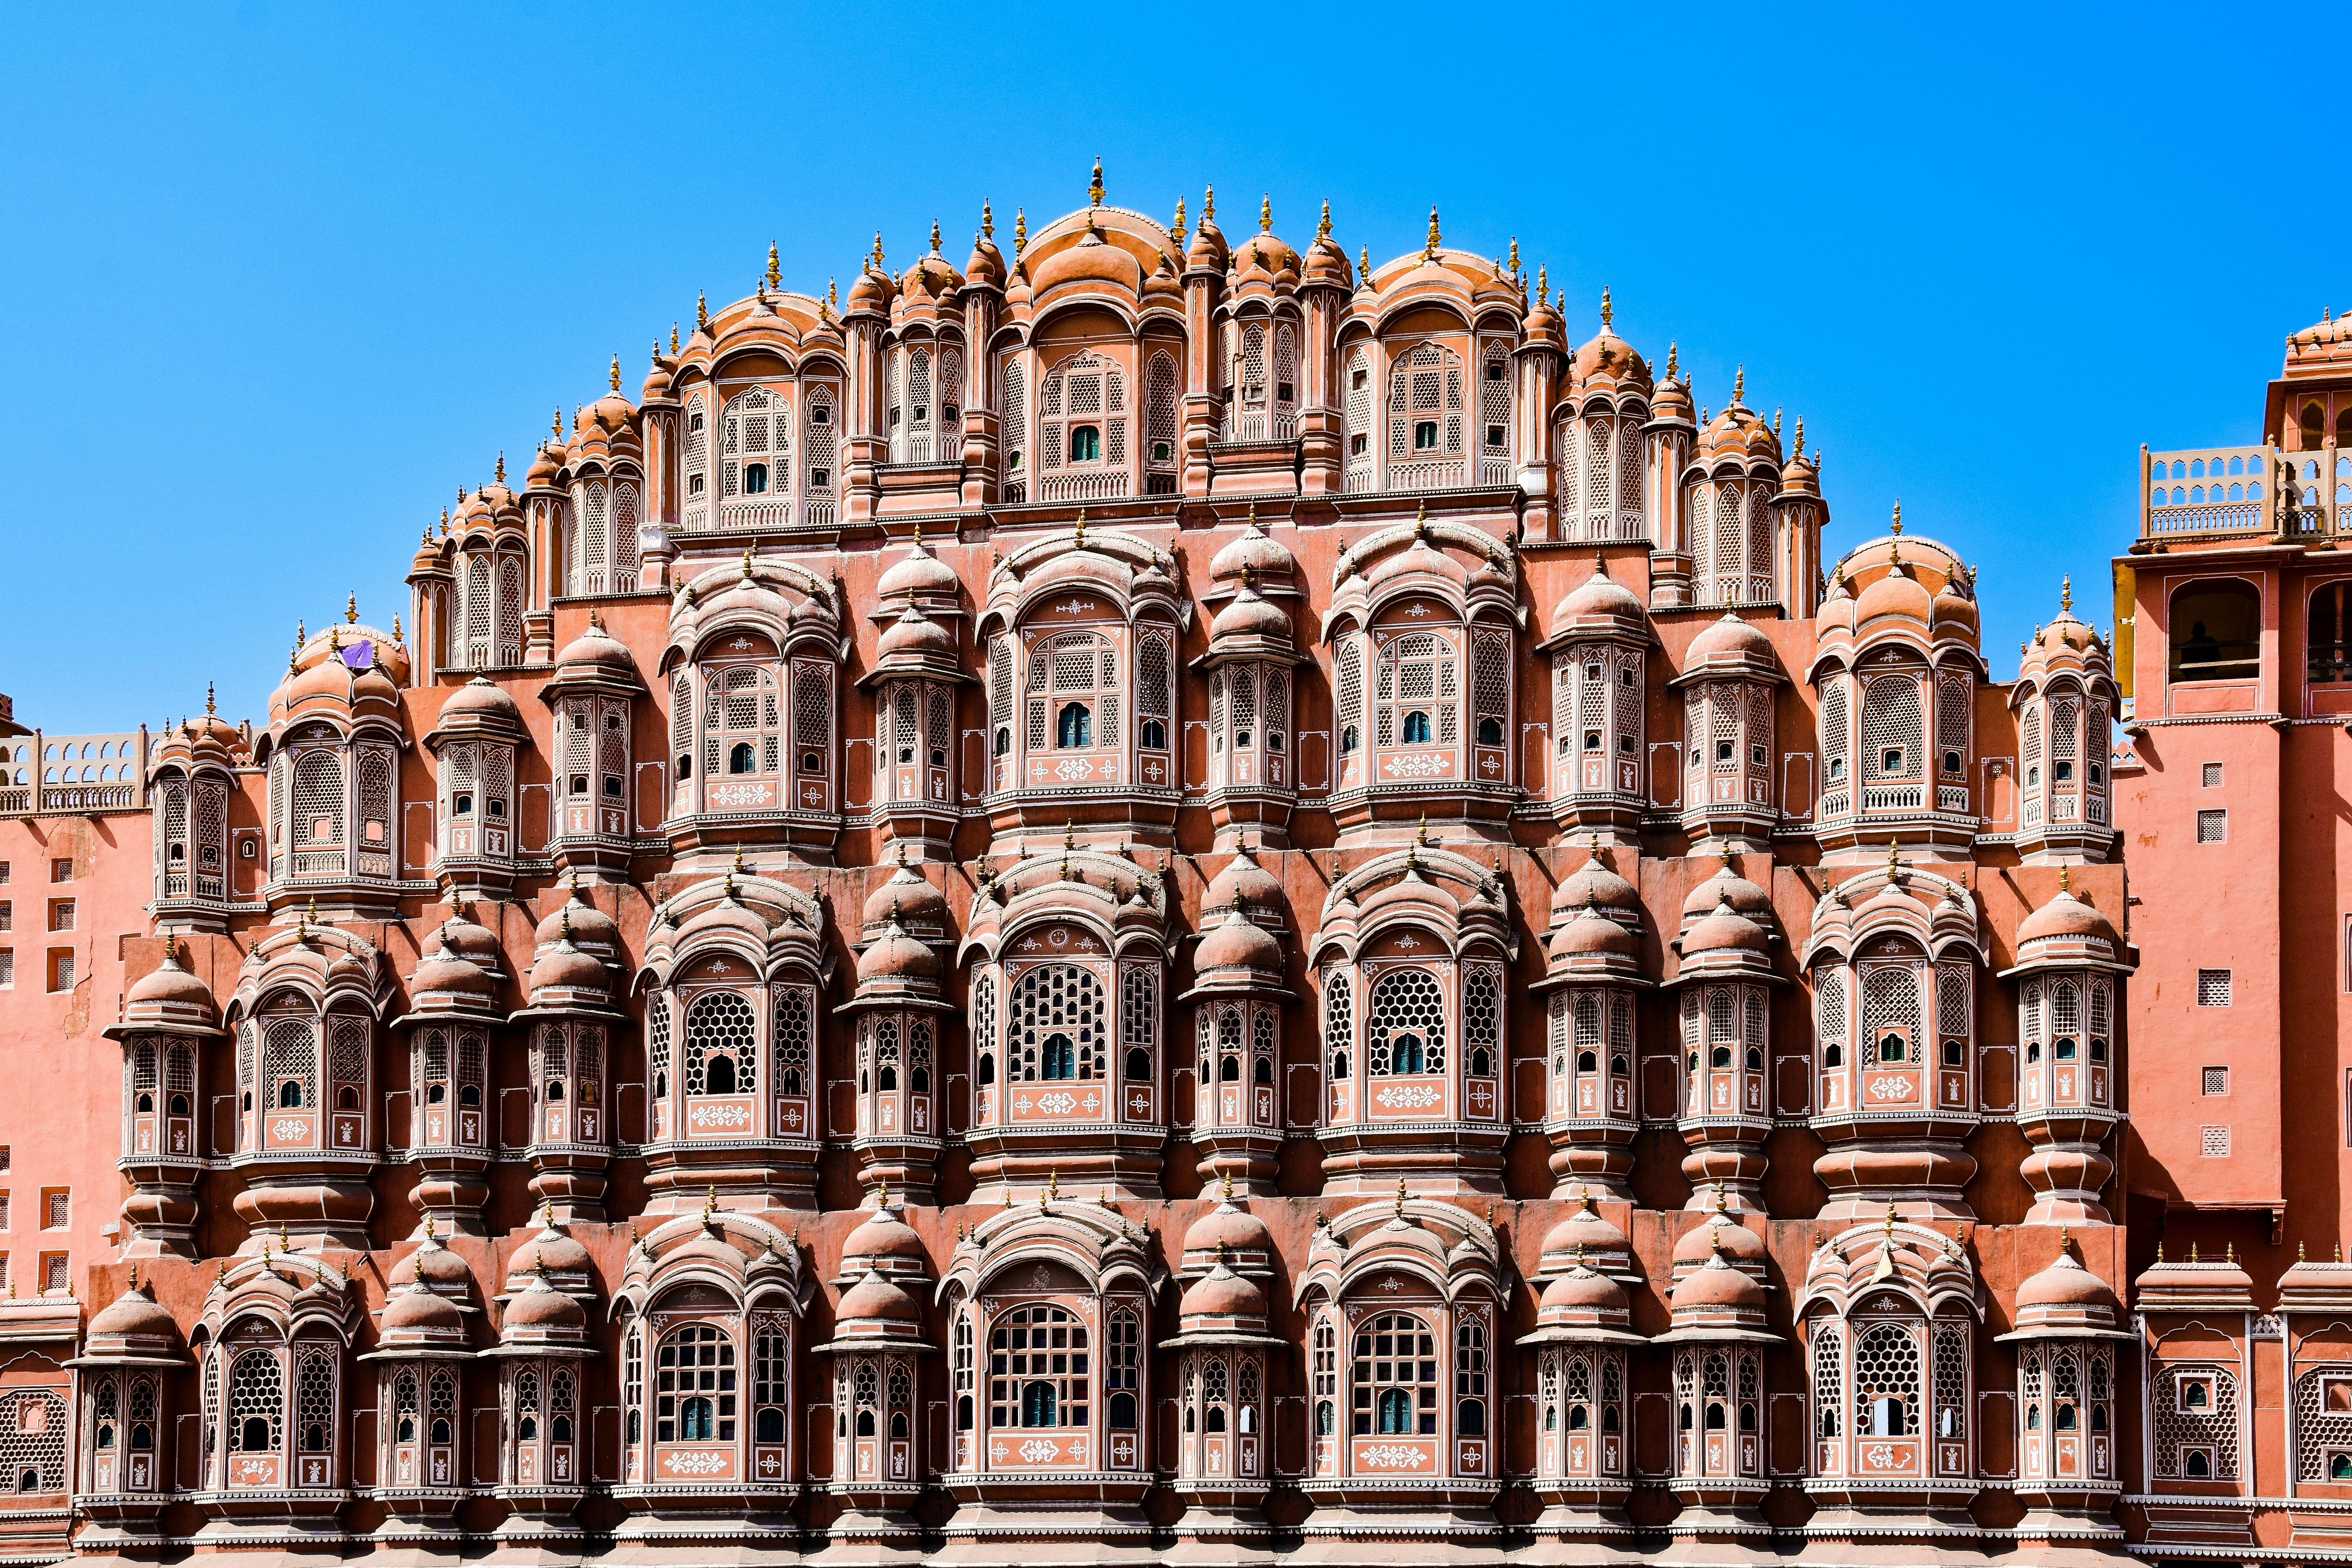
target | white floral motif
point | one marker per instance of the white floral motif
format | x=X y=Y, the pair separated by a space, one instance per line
x=1037 y=1451
x=1890 y=1087
x=1057 y=1104
x=1408 y=1097
x=1392 y=1457
x=694 y=1462
x=1419 y=766
x=288 y=1128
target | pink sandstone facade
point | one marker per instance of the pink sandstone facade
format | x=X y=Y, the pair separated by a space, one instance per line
x=1156 y=898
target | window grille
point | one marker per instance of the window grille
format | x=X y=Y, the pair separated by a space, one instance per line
x=318 y=798
x=1481 y=1012
x=1952 y=723
x=818 y=439
x=771 y=1366
x=1494 y=401
x=2213 y=826
x=1038 y=1367
x=256 y=1406
x=478 y=611
x=1056 y=1002
x=2214 y=1080
x=1352 y=693
x=1339 y=1021
x=1631 y=505
x=1016 y=422
x=1829 y=1378
x=1886 y=1367
x=1493 y=691
x=1160 y=411
x=1359 y=432
x=697 y=444
x=2030 y=743
x=2196 y=1407
x=1286 y=372
x=1829 y=1015
x=983 y=1018
x=625 y=538
x=694 y=1387
x=1955 y=1001
x=2212 y=988
x=1890 y=727
x=657 y=1043
x=348 y=1054
x=32 y=1441
x=1951 y=1380
x=2214 y=1142
x=632 y=1381
x=1138 y=1019
x=2211 y=775
x=1244 y=705
x=719 y=1024
x=1470 y=1379
x=592 y=535
x=289 y=1056
x=811 y=706
x=1405 y=1025
x=1122 y=1376
x=1153 y=685
x=937 y=721
x=1393 y=1391
x=1890 y=1001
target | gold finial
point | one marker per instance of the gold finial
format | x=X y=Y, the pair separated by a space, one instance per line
x=1020 y=231
x=208 y=693
x=1080 y=528
x=1208 y=204
x=1896 y=526
x=2064 y=880
x=614 y=377
x=2298 y=1247
x=673 y=340
x=1399 y=1198
x=1738 y=384
x=1364 y=265
x=1229 y=1184
x=1890 y=1221
x=776 y=277
x=1893 y=860
x=1069 y=833
x=1429 y=252
x=1094 y=187
x=2229 y=1253
x=1265 y=214
x=500 y=474
x=877 y=263
x=1673 y=350
x=1608 y=313
x=702 y=312
x=1180 y=222
x=935 y=237
x=1420 y=833
x=1323 y=224
x=1775 y=424
x=1053 y=1185
x=1800 y=436
x=286 y=1246
x=351 y=609
x=1224 y=1252
x=2066 y=593
x=987 y=222
x=2192 y=1252
x=709 y=1204
x=882 y=1195
x=1420 y=518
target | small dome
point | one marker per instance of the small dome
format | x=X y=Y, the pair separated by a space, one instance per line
x=540 y=1305
x=1256 y=553
x=919 y=574
x=1421 y=559
x=1248 y=616
x=1092 y=261
x=1584 y=1231
x=1581 y=1291
x=596 y=650
x=897 y=956
x=1897 y=594
x=986 y=263
x=872 y=291
x=915 y=636
x=443 y=972
x=1729 y=887
x=564 y=967
x=907 y=896
x=876 y=1299
x=580 y=923
x=2066 y=1283
x=168 y=986
x=546 y=468
x=1235 y=1229
x=1243 y=881
x=1737 y=432
x=1591 y=933
x=1724 y=931
x=1238 y=943
x=553 y=1250
x=1722 y=1234
x=461 y=938
x=133 y=1315
x=1600 y=597
x=884 y=1236
x=1717 y=1284
x=419 y=1312
x=438 y=1269
x=1610 y=358
x=1208 y=247
x=1593 y=885
x=1222 y=1293
x=2066 y=916
x=1728 y=639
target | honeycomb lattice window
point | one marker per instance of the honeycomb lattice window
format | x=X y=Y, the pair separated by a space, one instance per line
x=1890 y=727
x=2214 y=1082
x=983 y=1025
x=1952 y=726
x=721 y=1033
x=318 y=798
x=1405 y=1025
x=1482 y=1020
x=1890 y=1003
x=1351 y=696
x=794 y=1035
x=2196 y=1407
x=2323 y=1417
x=255 y=1403
x=1886 y=1369
x=2213 y=826
x=289 y=1063
x=32 y=1441
x=2214 y=1142
x=2212 y=988
x=657 y=1043
x=2211 y=775
x=57 y=1272
x=1951 y=1371
x=1829 y=1377
x=1138 y=1019
x=1055 y=1025
x=1339 y=1021
x=1834 y=730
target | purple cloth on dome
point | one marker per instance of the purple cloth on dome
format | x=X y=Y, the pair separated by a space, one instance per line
x=358 y=655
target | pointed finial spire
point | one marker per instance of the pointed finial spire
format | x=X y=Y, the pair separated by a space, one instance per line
x=709 y=1204
x=673 y=340
x=1094 y=187
x=1776 y=422
x=2066 y=593
x=987 y=221
x=1399 y=1198
x=1609 y=314
x=1420 y=518
x=935 y=237
x=2064 y=879
x=499 y=473
x=882 y=1195
x=1228 y=1184
x=1020 y=231
x=1738 y=384
x=1079 y=529
x=1429 y=251
x=1323 y=224
x=1420 y=833
x=1896 y=526
x=1208 y=204
x=351 y=609
x=208 y=698
x=1178 y=227
x=1543 y=283
x=1674 y=351
x=1800 y=436
x=1265 y=213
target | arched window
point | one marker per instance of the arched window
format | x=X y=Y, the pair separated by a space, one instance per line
x=1324 y=1372
x=694 y=1387
x=1356 y=393
x=1058 y=1023
x=1495 y=403
x=1123 y=1372
x=2216 y=632
x=1425 y=415
x=741 y=721
x=1470 y=1381
x=1074 y=693
x=1886 y=1380
x=1405 y=1025
x=820 y=432
x=1039 y=1372
x=1339 y=1021
x=255 y=1403
x=1083 y=398
x=695 y=461
x=1393 y=1381
x=1420 y=692
x=1891 y=743
x=755 y=446
x=1160 y=424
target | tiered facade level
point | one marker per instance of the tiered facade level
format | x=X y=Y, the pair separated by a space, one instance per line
x=1157 y=899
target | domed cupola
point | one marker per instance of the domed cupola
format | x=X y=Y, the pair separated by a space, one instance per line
x=896 y=1010
x=1599 y=644
x=2064 y=702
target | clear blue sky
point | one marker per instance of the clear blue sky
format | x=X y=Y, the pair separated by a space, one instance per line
x=278 y=279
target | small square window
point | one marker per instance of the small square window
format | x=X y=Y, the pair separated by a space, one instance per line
x=57 y=1273
x=2212 y=988
x=8 y=968
x=2195 y=1393
x=61 y=969
x=2215 y=1081
x=3 y=873
x=61 y=914
x=2214 y=1142
x=56 y=1208
x=3 y=1271
x=61 y=870
x=8 y=916
x=2212 y=775
x=4 y=1210
x=2212 y=826
x=2335 y=1395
